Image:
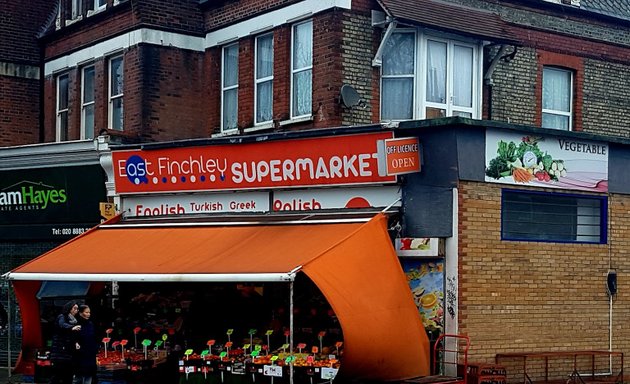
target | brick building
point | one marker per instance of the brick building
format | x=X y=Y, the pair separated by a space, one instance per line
x=150 y=71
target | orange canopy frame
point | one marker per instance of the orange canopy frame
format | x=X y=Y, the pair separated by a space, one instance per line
x=352 y=263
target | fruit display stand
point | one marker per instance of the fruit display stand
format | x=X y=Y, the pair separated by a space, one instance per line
x=254 y=363
x=118 y=365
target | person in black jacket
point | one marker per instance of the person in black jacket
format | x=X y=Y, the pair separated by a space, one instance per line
x=85 y=356
x=64 y=345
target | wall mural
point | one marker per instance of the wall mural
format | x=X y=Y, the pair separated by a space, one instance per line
x=426 y=280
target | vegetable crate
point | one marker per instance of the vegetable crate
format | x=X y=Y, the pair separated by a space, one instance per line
x=481 y=373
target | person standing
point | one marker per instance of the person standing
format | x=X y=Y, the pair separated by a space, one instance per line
x=63 y=344
x=87 y=348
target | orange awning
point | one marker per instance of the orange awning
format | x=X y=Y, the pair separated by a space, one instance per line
x=353 y=264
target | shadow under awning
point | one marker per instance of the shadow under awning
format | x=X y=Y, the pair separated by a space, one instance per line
x=55 y=289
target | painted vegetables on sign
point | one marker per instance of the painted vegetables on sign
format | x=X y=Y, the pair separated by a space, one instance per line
x=525 y=162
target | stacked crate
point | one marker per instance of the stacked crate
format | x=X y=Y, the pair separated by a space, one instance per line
x=112 y=374
x=482 y=373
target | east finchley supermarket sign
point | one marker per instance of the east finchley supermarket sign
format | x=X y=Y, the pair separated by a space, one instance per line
x=327 y=161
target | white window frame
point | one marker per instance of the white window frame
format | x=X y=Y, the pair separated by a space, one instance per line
x=225 y=89
x=295 y=71
x=113 y=97
x=556 y=112
x=76 y=9
x=413 y=75
x=98 y=7
x=86 y=104
x=258 y=81
x=61 y=111
x=420 y=104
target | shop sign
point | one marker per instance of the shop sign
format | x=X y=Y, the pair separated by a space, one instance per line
x=272 y=370
x=195 y=204
x=546 y=161
x=323 y=161
x=338 y=198
x=421 y=246
x=402 y=155
x=108 y=210
x=50 y=203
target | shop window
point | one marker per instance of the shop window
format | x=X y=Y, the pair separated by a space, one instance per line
x=442 y=74
x=553 y=217
x=116 y=83
x=263 y=104
x=62 y=108
x=557 y=98
x=87 y=102
x=302 y=69
x=229 y=88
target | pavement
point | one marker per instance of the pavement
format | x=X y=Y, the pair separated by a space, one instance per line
x=13 y=379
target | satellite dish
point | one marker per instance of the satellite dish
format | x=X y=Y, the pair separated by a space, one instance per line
x=349 y=96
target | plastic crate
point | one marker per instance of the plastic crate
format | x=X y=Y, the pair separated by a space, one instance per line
x=483 y=369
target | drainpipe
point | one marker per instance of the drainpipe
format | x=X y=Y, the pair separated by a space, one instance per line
x=378 y=57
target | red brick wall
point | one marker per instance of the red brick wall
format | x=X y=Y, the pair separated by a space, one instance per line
x=232 y=11
x=328 y=68
x=19 y=111
x=20 y=24
x=89 y=31
x=163 y=93
x=212 y=90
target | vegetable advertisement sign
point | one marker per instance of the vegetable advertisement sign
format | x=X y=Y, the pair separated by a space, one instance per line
x=553 y=162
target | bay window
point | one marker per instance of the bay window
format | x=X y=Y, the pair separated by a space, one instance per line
x=424 y=77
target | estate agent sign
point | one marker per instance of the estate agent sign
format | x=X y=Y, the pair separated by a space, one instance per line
x=50 y=203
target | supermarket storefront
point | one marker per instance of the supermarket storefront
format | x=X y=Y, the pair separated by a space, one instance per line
x=183 y=222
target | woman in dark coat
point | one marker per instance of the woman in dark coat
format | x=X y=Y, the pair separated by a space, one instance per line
x=85 y=358
x=63 y=344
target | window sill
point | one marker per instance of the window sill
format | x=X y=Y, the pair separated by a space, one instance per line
x=231 y=132
x=92 y=12
x=72 y=21
x=296 y=120
x=260 y=127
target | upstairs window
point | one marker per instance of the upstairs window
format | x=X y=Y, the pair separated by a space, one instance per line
x=87 y=103
x=76 y=9
x=557 y=98
x=62 y=108
x=540 y=216
x=302 y=69
x=229 y=88
x=398 y=77
x=100 y=4
x=442 y=74
x=263 y=103
x=115 y=92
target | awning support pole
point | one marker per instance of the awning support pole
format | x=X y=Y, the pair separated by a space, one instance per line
x=291 y=330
